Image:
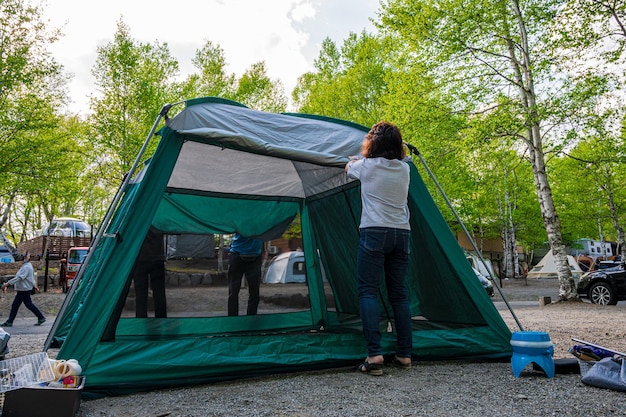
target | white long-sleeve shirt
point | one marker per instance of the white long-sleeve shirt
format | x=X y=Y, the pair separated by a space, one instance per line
x=384 y=192
x=24 y=280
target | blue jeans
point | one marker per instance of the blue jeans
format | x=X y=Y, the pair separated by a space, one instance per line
x=384 y=249
x=23 y=297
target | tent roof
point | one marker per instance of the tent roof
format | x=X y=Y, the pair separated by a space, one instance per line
x=286 y=155
x=319 y=140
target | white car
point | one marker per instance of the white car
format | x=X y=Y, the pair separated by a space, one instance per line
x=487 y=285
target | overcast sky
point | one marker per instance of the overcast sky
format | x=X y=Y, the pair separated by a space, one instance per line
x=286 y=34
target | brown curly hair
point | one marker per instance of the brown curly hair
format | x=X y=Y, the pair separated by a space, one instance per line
x=384 y=140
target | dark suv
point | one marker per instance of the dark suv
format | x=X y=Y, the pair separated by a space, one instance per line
x=604 y=286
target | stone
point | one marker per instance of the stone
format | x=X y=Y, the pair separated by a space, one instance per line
x=544 y=300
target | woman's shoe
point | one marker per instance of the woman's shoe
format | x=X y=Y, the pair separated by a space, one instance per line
x=374 y=369
x=396 y=362
x=6 y=324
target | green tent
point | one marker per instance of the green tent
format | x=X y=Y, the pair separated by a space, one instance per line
x=221 y=168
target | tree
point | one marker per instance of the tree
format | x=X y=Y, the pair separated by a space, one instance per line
x=348 y=83
x=258 y=91
x=134 y=81
x=591 y=186
x=212 y=79
x=591 y=39
x=32 y=89
x=486 y=51
x=71 y=188
x=595 y=28
x=254 y=88
x=506 y=186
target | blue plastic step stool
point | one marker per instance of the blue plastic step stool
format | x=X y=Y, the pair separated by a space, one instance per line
x=532 y=347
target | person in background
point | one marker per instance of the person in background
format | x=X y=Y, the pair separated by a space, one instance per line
x=244 y=260
x=149 y=271
x=24 y=284
x=384 y=241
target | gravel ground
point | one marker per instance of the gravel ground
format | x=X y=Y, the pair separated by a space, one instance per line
x=450 y=388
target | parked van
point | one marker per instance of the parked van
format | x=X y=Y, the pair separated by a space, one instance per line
x=70 y=266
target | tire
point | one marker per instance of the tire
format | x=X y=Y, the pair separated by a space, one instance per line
x=601 y=293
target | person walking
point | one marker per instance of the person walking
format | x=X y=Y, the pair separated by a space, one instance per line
x=244 y=259
x=24 y=284
x=384 y=241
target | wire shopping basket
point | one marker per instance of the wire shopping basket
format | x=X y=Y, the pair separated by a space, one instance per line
x=25 y=371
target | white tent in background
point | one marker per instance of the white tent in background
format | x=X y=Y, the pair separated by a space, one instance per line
x=546 y=268
x=286 y=268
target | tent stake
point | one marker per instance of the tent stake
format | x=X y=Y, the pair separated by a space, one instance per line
x=416 y=152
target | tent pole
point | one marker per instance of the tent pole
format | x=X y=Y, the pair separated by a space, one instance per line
x=103 y=225
x=416 y=152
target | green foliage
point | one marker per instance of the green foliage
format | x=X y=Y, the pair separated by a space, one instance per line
x=348 y=83
x=32 y=90
x=212 y=79
x=294 y=231
x=595 y=29
x=133 y=79
x=31 y=87
x=254 y=88
x=591 y=185
x=499 y=68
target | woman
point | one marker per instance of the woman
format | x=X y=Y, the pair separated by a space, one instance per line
x=24 y=284
x=384 y=241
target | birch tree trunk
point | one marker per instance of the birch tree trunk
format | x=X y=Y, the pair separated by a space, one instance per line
x=504 y=273
x=506 y=210
x=512 y=241
x=614 y=216
x=601 y=236
x=618 y=227
x=7 y=209
x=508 y=237
x=526 y=88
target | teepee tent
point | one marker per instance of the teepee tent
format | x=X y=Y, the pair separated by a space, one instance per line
x=221 y=168
x=546 y=268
